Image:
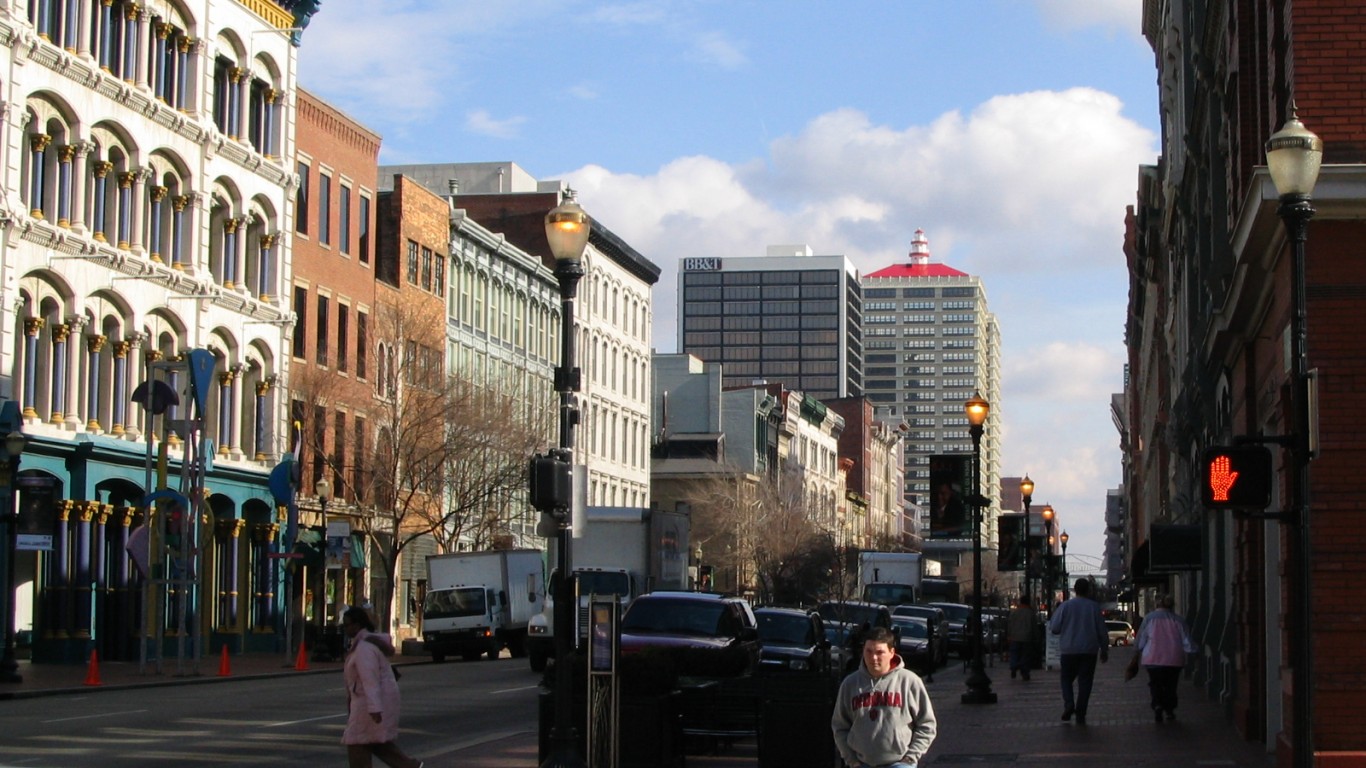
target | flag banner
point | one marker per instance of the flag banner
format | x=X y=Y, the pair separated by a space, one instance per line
x=950 y=481
x=1010 y=553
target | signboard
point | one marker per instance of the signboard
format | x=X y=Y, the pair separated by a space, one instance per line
x=1010 y=552
x=1175 y=548
x=338 y=544
x=950 y=479
x=697 y=264
x=1236 y=477
x=37 y=510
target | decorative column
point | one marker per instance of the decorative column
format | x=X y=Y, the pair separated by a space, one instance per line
x=140 y=178
x=32 y=327
x=233 y=573
x=66 y=154
x=120 y=389
x=163 y=34
x=269 y=118
x=125 y=206
x=230 y=226
x=72 y=406
x=178 y=204
x=37 y=164
x=264 y=269
x=100 y=224
x=79 y=183
x=59 y=367
x=235 y=400
x=129 y=69
x=173 y=412
x=59 y=625
x=157 y=193
x=183 y=46
x=93 y=344
x=262 y=537
x=235 y=77
x=106 y=34
x=262 y=408
x=225 y=410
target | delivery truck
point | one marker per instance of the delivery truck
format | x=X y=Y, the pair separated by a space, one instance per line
x=480 y=602
x=890 y=578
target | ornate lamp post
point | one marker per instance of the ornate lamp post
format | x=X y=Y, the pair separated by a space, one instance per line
x=1294 y=155
x=979 y=685
x=1027 y=493
x=323 y=489
x=567 y=227
x=1045 y=576
x=15 y=442
x=1063 y=540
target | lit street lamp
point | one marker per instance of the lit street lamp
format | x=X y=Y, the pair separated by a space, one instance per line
x=979 y=685
x=1027 y=493
x=1063 y=539
x=567 y=227
x=15 y=442
x=1046 y=575
x=1293 y=156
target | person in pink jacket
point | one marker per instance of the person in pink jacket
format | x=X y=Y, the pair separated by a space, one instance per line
x=372 y=698
x=1163 y=642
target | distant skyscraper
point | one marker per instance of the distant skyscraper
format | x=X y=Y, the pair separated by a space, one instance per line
x=790 y=318
x=929 y=342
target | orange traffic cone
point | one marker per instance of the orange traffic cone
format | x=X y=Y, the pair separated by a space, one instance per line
x=224 y=667
x=92 y=674
x=301 y=661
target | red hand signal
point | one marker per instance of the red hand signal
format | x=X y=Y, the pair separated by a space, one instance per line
x=1221 y=479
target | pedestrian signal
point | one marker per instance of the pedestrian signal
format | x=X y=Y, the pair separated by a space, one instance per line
x=1236 y=477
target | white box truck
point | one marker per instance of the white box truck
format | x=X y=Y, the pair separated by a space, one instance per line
x=890 y=578
x=625 y=551
x=480 y=602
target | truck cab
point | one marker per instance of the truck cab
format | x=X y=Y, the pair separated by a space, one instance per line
x=590 y=581
x=463 y=621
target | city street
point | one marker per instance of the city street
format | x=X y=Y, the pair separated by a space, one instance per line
x=291 y=720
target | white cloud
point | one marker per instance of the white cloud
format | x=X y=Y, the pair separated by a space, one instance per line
x=717 y=49
x=1123 y=17
x=481 y=122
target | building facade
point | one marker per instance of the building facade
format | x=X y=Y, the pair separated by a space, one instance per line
x=148 y=176
x=930 y=342
x=1212 y=356
x=789 y=317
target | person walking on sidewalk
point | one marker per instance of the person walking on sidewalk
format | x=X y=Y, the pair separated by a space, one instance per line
x=1163 y=642
x=1081 y=630
x=372 y=698
x=1020 y=635
x=883 y=717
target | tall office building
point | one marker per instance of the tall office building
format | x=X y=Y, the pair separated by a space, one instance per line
x=789 y=317
x=930 y=342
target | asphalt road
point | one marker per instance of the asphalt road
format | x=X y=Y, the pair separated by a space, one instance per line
x=264 y=722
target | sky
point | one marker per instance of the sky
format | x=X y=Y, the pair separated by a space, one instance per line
x=1011 y=131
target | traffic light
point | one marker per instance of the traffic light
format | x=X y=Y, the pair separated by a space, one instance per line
x=1236 y=477
x=550 y=483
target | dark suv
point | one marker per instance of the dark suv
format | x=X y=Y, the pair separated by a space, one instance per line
x=856 y=618
x=958 y=615
x=693 y=620
x=793 y=640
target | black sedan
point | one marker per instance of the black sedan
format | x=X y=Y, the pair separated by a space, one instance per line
x=792 y=640
x=913 y=644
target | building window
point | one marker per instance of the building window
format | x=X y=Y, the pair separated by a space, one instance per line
x=427 y=269
x=300 y=320
x=363 y=242
x=325 y=208
x=412 y=263
x=321 y=349
x=301 y=201
x=439 y=275
x=343 y=331
x=362 y=332
x=344 y=218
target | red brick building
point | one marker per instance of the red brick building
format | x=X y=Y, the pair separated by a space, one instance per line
x=1211 y=359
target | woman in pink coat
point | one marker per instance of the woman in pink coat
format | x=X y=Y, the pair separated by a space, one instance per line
x=372 y=697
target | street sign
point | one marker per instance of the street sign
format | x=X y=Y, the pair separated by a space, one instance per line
x=1236 y=477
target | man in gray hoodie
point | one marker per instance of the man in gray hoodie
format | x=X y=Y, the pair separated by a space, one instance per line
x=883 y=717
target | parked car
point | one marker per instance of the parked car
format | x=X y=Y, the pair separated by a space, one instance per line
x=939 y=628
x=958 y=616
x=792 y=640
x=694 y=620
x=1121 y=632
x=913 y=644
x=860 y=616
x=843 y=658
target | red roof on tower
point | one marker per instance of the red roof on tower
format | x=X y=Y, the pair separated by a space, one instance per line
x=920 y=265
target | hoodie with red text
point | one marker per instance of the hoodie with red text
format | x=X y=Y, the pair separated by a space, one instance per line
x=879 y=721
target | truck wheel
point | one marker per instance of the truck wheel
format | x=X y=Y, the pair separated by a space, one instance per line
x=470 y=655
x=495 y=648
x=517 y=646
x=438 y=657
x=538 y=660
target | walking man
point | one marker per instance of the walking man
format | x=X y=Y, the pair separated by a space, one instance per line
x=1081 y=634
x=1020 y=635
x=883 y=717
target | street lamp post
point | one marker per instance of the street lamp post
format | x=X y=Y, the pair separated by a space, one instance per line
x=9 y=665
x=979 y=685
x=1027 y=493
x=567 y=227
x=1293 y=156
x=1063 y=540
x=1046 y=575
x=323 y=489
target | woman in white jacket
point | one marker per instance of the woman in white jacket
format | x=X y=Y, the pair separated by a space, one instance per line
x=372 y=697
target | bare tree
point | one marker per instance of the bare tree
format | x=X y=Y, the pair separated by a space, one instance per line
x=448 y=456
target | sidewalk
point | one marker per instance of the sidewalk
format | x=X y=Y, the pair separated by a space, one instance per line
x=1022 y=728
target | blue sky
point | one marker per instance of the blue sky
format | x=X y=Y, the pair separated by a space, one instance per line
x=1011 y=131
